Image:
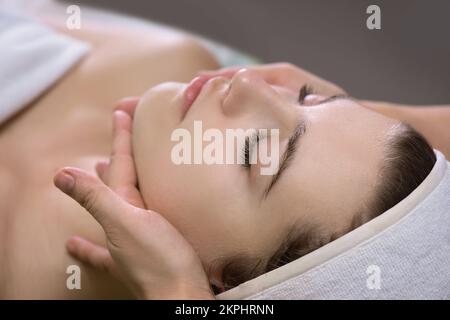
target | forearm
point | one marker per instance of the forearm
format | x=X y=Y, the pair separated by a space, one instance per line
x=433 y=122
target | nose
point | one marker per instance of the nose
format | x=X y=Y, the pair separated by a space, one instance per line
x=250 y=94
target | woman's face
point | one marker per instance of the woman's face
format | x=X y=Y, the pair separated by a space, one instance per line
x=228 y=209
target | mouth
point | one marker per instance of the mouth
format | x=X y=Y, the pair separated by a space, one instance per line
x=192 y=91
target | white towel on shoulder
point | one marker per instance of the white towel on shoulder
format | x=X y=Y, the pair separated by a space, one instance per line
x=32 y=58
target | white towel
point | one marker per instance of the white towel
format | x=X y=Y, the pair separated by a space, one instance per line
x=32 y=58
x=402 y=254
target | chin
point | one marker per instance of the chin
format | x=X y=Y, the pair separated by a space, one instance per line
x=163 y=99
x=158 y=113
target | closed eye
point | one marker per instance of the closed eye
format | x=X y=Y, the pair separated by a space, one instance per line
x=250 y=143
x=305 y=90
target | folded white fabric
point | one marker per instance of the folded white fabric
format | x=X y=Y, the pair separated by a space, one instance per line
x=32 y=58
x=402 y=254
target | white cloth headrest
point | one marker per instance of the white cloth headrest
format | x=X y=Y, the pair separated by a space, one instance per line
x=402 y=254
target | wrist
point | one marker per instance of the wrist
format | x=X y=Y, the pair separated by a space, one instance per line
x=395 y=111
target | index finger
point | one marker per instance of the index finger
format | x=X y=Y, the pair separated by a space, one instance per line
x=101 y=202
x=128 y=105
x=273 y=73
x=122 y=133
x=122 y=172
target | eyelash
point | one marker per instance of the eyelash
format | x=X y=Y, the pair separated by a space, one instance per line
x=246 y=152
x=304 y=91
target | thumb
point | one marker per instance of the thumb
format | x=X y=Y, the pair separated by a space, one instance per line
x=92 y=194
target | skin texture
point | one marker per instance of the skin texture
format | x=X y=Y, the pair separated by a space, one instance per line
x=431 y=121
x=143 y=249
x=71 y=125
x=220 y=208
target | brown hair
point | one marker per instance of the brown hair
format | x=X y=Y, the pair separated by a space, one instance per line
x=407 y=162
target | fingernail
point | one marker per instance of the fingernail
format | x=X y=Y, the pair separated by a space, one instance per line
x=117 y=114
x=65 y=181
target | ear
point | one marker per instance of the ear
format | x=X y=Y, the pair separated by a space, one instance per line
x=215 y=280
x=214 y=271
x=216 y=285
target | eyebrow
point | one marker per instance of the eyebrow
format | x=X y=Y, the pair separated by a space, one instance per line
x=334 y=98
x=291 y=148
x=288 y=154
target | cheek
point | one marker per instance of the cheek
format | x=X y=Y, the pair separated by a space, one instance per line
x=207 y=204
x=192 y=191
x=197 y=201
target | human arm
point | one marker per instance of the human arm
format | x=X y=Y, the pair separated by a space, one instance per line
x=433 y=121
x=143 y=249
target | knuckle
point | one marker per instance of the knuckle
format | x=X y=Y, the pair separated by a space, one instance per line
x=150 y=217
x=91 y=197
x=89 y=200
x=119 y=103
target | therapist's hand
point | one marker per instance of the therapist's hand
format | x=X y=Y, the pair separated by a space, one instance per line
x=143 y=249
x=281 y=74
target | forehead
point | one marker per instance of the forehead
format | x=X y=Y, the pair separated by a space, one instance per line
x=335 y=166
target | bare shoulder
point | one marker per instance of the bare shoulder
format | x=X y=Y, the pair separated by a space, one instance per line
x=189 y=56
x=184 y=52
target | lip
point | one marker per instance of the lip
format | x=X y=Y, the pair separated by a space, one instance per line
x=192 y=91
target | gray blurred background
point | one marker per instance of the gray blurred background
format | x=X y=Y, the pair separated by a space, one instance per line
x=408 y=61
